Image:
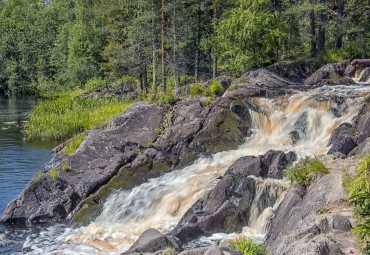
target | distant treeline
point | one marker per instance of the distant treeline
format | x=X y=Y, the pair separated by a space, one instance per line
x=47 y=46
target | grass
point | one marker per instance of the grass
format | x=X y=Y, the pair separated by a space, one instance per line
x=358 y=188
x=37 y=177
x=209 y=100
x=66 y=167
x=305 y=171
x=73 y=144
x=54 y=173
x=233 y=88
x=248 y=246
x=67 y=116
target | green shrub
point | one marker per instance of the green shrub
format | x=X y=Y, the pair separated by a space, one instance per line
x=358 y=188
x=216 y=88
x=305 y=170
x=54 y=173
x=95 y=83
x=196 y=89
x=73 y=144
x=233 y=88
x=249 y=247
x=149 y=144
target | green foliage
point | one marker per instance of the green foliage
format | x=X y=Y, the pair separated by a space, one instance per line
x=37 y=177
x=248 y=247
x=233 y=88
x=94 y=83
x=196 y=89
x=358 y=187
x=54 y=173
x=214 y=89
x=149 y=144
x=67 y=116
x=305 y=171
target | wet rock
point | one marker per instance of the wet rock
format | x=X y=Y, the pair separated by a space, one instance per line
x=294 y=136
x=298 y=227
x=356 y=65
x=152 y=241
x=228 y=206
x=365 y=75
x=327 y=75
x=345 y=144
x=342 y=130
x=362 y=121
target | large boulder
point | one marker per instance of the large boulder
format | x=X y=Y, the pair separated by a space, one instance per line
x=357 y=65
x=96 y=161
x=240 y=192
x=304 y=222
x=152 y=241
x=327 y=75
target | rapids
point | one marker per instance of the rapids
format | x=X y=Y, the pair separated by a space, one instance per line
x=161 y=202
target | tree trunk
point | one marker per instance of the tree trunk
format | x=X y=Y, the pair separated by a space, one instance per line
x=154 y=50
x=175 y=64
x=145 y=78
x=321 y=34
x=197 y=40
x=215 y=17
x=313 y=32
x=338 y=39
x=163 y=48
x=141 y=81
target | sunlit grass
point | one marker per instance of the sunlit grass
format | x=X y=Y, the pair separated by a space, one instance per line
x=67 y=116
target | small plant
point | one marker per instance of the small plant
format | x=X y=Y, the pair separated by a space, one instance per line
x=305 y=171
x=358 y=187
x=216 y=88
x=73 y=144
x=160 y=130
x=37 y=177
x=66 y=167
x=149 y=144
x=80 y=171
x=54 y=173
x=233 y=88
x=138 y=153
x=196 y=89
x=248 y=247
x=209 y=100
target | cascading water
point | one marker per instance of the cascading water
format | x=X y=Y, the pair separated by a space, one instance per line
x=161 y=202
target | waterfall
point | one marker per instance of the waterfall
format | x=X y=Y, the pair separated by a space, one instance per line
x=300 y=122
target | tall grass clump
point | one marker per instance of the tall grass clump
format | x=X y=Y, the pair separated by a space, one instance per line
x=305 y=171
x=73 y=144
x=214 y=89
x=196 y=89
x=358 y=188
x=54 y=173
x=65 y=117
x=248 y=247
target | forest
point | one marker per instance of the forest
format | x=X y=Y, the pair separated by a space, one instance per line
x=51 y=46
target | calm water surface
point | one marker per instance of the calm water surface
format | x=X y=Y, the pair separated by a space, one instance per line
x=19 y=161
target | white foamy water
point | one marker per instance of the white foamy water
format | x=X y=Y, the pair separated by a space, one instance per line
x=161 y=202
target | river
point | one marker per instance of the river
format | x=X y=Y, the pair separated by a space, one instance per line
x=19 y=160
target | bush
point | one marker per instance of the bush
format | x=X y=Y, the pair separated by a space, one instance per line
x=358 y=188
x=249 y=247
x=305 y=171
x=73 y=144
x=216 y=88
x=54 y=173
x=95 y=83
x=209 y=100
x=196 y=89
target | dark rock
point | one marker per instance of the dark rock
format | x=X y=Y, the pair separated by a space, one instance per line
x=362 y=121
x=97 y=160
x=297 y=72
x=294 y=136
x=365 y=75
x=327 y=74
x=342 y=130
x=228 y=206
x=345 y=144
x=151 y=241
x=345 y=81
x=340 y=222
x=126 y=88
x=225 y=81
x=356 y=65
x=196 y=251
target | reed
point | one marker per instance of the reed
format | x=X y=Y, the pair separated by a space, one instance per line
x=67 y=116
